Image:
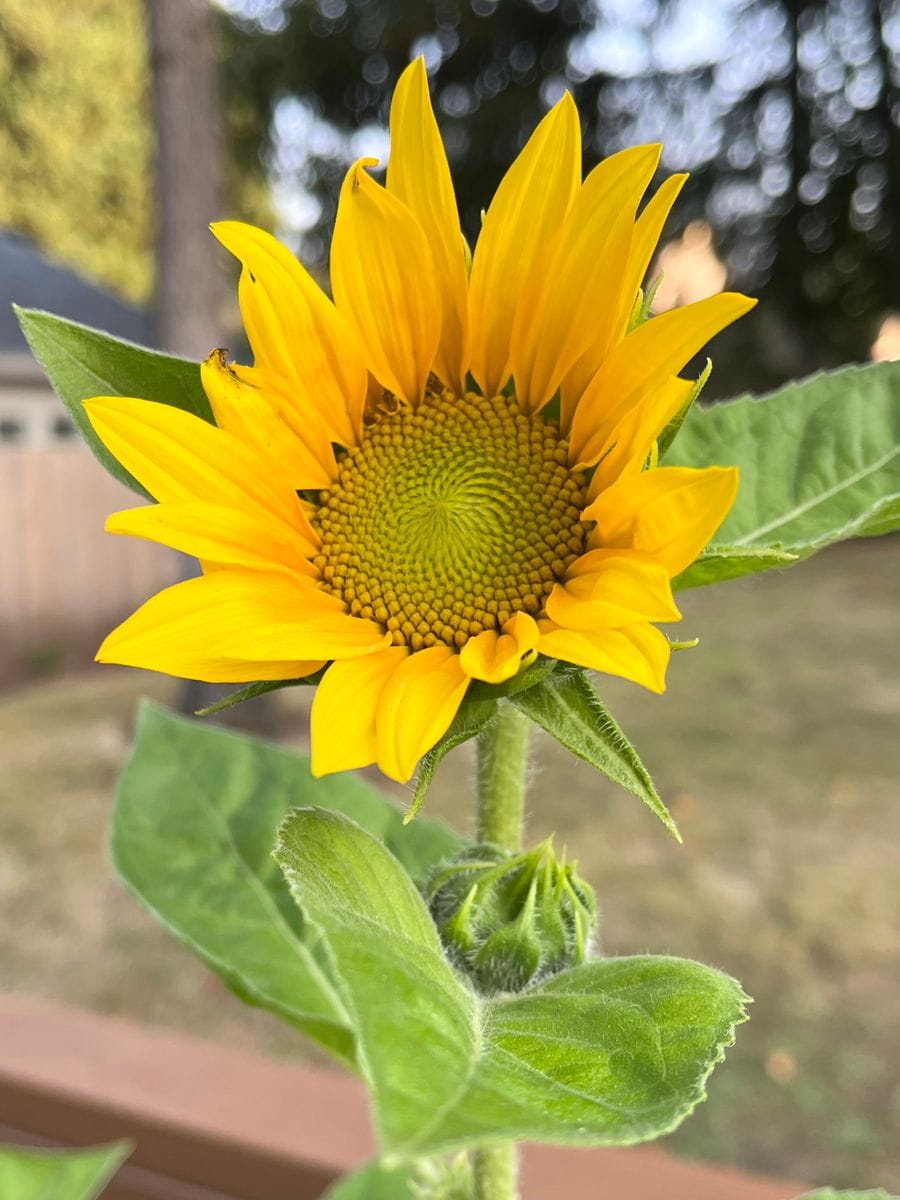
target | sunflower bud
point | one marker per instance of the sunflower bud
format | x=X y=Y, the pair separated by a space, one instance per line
x=507 y=920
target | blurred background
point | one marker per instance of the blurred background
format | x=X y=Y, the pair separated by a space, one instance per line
x=126 y=126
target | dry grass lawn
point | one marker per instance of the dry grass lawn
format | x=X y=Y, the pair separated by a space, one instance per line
x=777 y=748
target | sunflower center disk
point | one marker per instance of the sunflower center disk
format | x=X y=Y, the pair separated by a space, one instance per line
x=449 y=518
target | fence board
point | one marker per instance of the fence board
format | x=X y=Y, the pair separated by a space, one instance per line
x=59 y=572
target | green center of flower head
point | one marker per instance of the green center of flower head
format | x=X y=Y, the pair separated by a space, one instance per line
x=450 y=517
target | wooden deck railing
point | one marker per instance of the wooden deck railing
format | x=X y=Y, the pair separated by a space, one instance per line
x=212 y=1123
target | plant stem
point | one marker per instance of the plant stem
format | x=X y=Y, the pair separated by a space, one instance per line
x=502 y=750
x=502 y=753
x=495 y=1171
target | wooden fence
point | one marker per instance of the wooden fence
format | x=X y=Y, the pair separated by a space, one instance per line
x=60 y=574
x=209 y=1122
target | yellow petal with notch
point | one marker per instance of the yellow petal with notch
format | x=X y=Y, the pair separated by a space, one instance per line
x=416 y=708
x=342 y=720
x=495 y=657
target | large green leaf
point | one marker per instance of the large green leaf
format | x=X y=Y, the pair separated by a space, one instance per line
x=819 y=461
x=81 y=362
x=566 y=706
x=58 y=1174
x=192 y=835
x=613 y=1052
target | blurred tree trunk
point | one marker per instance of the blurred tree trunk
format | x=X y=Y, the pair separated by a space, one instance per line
x=190 y=172
x=189 y=175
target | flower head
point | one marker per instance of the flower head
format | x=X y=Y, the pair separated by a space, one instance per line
x=443 y=473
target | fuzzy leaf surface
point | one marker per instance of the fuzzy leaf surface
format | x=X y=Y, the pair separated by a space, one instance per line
x=566 y=706
x=819 y=462
x=192 y=834
x=610 y=1053
x=27 y=1174
x=81 y=362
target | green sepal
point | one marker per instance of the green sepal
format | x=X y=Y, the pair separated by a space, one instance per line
x=27 y=1174
x=671 y=431
x=567 y=707
x=475 y=715
x=81 y=362
x=252 y=690
x=192 y=832
x=612 y=1052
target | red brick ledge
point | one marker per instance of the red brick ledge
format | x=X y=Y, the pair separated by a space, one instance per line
x=213 y=1123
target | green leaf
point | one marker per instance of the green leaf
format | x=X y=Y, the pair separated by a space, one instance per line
x=58 y=1174
x=567 y=707
x=819 y=461
x=831 y=1194
x=612 y=1052
x=375 y=1182
x=192 y=834
x=82 y=362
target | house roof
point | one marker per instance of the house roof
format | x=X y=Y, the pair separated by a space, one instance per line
x=31 y=280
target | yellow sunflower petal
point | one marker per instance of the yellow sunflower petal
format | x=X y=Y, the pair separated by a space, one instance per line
x=383 y=276
x=342 y=720
x=608 y=589
x=670 y=512
x=418 y=174
x=647 y=232
x=178 y=456
x=581 y=292
x=644 y=237
x=625 y=443
x=495 y=657
x=519 y=231
x=416 y=707
x=295 y=331
x=235 y=627
x=655 y=350
x=253 y=406
x=636 y=652
x=218 y=535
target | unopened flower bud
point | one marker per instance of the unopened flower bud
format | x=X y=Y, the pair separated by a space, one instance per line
x=507 y=920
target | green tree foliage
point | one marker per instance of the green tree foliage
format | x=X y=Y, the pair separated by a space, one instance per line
x=76 y=140
x=785 y=111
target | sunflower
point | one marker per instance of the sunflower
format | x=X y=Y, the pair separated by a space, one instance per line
x=445 y=472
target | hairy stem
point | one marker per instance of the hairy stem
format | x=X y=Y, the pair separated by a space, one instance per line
x=502 y=753
x=495 y=1170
